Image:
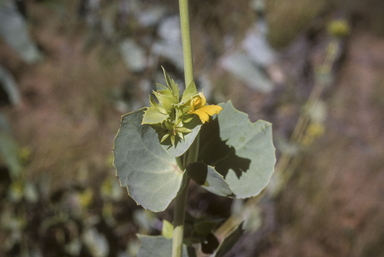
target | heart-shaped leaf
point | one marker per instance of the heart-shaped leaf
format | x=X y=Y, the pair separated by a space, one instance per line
x=151 y=175
x=240 y=151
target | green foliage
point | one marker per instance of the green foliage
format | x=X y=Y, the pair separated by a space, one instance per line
x=228 y=156
x=236 y=158
x=189 y=92
x=157 y=246
x=170 y=118
x=151 y=175
x=240 y=151
x=209 y=179
x=198 y=230
x=160 y=246
x=229 y=241
x=180 y=147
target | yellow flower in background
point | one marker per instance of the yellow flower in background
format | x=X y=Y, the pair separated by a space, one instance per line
x=314 y=131
x=199 y=107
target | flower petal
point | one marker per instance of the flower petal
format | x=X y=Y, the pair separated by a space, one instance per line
x=202 y=115
x=212 y=109
x=206 y=111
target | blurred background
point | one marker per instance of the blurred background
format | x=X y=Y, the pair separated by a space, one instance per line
x=70 y=69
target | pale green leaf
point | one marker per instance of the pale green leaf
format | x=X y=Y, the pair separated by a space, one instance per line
x=209 y=179
x=241 y=151
x=150 y=173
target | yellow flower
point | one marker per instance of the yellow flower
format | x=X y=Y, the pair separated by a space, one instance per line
x=199 y=107
x=198 y=102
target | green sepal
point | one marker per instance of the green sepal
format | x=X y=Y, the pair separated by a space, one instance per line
x=188 y=118
x=172 y=85
x=168 y=125
x=153 y=116
x=167 y=92
x=166 y=99
x=183 y=130
x=181 y=113
x=160 y=87
x=153 y=103
x=164 y=138
x=180 y=147
x=173 y=139
x=189 y=92
x=180 y=135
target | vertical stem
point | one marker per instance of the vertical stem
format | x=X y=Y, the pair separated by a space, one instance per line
x=178 y=222
x=186 y=39
x=181 y=198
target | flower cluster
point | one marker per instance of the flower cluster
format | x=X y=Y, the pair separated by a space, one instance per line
x=170 y=114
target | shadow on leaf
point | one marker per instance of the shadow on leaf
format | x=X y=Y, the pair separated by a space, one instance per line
x=215 y=151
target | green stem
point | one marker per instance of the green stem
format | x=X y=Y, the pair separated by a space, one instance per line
x=181 y=199
x=186 y=39
x=178 y=222
x=191 y=154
